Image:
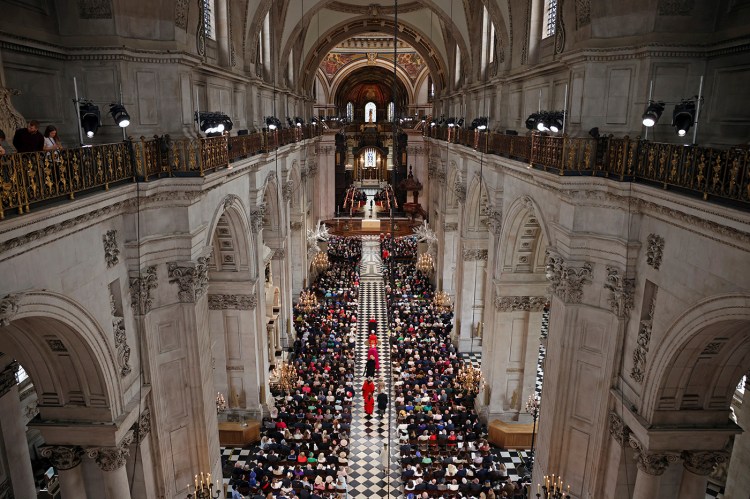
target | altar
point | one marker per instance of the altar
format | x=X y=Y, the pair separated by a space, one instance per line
x=371 y=224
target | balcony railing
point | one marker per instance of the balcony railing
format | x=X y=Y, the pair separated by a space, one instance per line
x=721 y=175
x=29 y=179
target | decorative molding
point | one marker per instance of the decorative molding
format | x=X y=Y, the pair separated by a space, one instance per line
x=525 y=47
x=56 y=345
x=703 y=462
x=472 y=255
x=233 y=302
x=560 y=28
x=229 y=200
x=181 y=9
x=622 y=292
x=9 y=308
x=191 y=279
x=675 y=7
x=287 y=190
x=141 y=285
x=528 y=203
x=460 y=190
x=8 y=377
x=295 y=225
x=495 y=221
x=279 y=254
x=232 y=53
x=111 y=458
x=644 y=339
x=200 y=34
x=450 y=226
x=62 y=457
x=618 y=430
x=121 y=344
x=6 y=489
x=567 y=281
x=95 y=9
x=111 y=251
x=256 y=218
x=520 y=303
x=583 y=13
x=652 y=463
x=654 y=250
x=142 y=427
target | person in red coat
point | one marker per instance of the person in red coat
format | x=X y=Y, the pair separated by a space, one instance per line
x=369 y=404
x=368 y=388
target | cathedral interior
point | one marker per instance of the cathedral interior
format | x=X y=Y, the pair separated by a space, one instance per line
x=362 y=248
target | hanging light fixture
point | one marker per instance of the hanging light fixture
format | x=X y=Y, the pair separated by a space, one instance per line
x=320 y=262
x=307 y=301
x=652 y=113
x=90 y=118
x=221 y=402
x=425 y=263
x=442 y=301
x=120 y=115
x=683 y=117
x=468 y=378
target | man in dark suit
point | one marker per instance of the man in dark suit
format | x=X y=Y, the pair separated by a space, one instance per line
x=29 y=139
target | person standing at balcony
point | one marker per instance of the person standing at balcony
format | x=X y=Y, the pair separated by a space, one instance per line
x=51 y=140
x=4 y=147
x=29 y=139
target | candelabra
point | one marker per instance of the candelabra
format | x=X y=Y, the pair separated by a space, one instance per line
x=442 y=301
x=204 y=489
x=552 y=489
x=221 y=403
x=468 y=378
x=287 y=377
x=320 y=262
x=532 y=407
x=307 y=301
x=425 y=264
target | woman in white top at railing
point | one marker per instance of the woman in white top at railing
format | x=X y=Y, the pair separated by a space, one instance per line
x=51 y=140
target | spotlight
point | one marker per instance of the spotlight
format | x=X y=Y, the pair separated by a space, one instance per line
x=556 y=120
x=299 y=121
x=533 y=120
x=543 y=124
x=90 y=118
x=289 y=121
x=212 y=122
x=451 y=122
x=272 y=123
x=652 y=113
x=433 y=123
x=120 y=115
x=460 y=123
x=478 y=124
x=683 y=117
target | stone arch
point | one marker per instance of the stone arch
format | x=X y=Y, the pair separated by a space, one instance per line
x=350 y=68
x=227 y=236
x=698 y=362
x=523 y=239
x=66 y=353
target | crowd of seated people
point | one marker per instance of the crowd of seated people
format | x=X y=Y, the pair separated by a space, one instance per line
x=346 y=248
x=340 y=281
x=304 y=447
x=355 y=198
x=398 y=247
x=443 y=445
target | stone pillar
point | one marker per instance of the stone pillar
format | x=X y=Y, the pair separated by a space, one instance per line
x=141 y=460
x=67 y=460
x=111 y=462
x=698 y=464
x=738 y=479
x=14 y=435
x=651 y=466
x=646 y=485
x=473 y=265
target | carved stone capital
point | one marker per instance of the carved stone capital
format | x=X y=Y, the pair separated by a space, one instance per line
x=111 y=251
x=62 y=457
x=619 y=431
x=472 y=255
x=279 y=254
x=141 y=286
x=111 y=458
x=654 y=463
x=8 y=377
x=235 y=302
x=622 y=292
x=9 y=306
x=495 y=221
x=654 y=250
x=565 y=280
x=191 y=279
x=256 y=218
x=703 y=462
x=520 y=303
x=460 y=190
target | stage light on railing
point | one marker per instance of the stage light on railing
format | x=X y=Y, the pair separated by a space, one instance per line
x=652 y=113
x=451 y=122
x=556 y=120
x=532 y=121
x=213 y=122
x=272 y=122
x=90 y=118
x=299 y=121
x=683 y=117
x=120 y=115
x=460 y=123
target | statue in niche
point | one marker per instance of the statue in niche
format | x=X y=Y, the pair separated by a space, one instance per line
x=514 y=399
x=369 y=117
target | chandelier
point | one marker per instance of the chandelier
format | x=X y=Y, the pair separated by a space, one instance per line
x=425 y=263
x=287 y=377
x=552 y=489
x=468 y=378
x=204 y=489
x=307 y=301
x=442 y=301
x=532 y=407
x=320 y=262
x=221 y=403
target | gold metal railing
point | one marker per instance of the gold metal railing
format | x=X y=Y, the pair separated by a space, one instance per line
x=715 y=174
x=27 y=179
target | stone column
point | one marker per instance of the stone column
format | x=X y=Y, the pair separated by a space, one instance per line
x=738 y=479
x=111 y=461
x=698 y=464
x=66 y=460
x=651 y=466
x=14 y=435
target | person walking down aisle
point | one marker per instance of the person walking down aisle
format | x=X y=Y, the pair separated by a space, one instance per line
x=368 y=388
x=382 y=403
x=370 y=367
x=369 y=404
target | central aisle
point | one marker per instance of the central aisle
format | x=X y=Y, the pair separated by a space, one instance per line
x=368 y=434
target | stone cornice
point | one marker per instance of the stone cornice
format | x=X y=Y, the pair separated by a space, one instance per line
x=520 y=303
x=233 y=302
